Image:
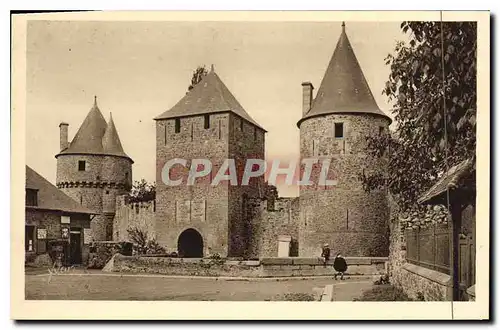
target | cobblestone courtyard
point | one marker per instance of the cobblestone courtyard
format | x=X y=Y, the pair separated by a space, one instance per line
x=100 y=286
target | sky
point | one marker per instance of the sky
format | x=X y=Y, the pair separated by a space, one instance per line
x=138 y=70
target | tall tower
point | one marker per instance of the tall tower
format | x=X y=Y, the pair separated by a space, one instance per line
x=334 y=126
x=207 y=123
x=93 y=169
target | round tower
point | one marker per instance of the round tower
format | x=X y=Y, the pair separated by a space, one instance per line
x=93 y=169
x=335 y=126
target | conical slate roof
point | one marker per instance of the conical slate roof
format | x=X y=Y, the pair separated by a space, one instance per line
x=96 y=137
x=344 y=88
x=210 y=95
x=111 y=141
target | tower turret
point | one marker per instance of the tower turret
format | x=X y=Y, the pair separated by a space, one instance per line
x=207 y=123
x=93 y=169
x=340 y=118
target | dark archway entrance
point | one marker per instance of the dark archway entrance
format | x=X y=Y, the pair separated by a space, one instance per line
x=190 y=244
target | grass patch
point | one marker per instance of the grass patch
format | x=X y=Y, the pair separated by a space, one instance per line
x=294 y=297
x=384 y=292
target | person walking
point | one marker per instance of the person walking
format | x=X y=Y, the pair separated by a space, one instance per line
x=325 y=254
x=340 y=266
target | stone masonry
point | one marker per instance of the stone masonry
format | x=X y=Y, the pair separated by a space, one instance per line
x=235 y=220
x=352 y=221
x=94 y=170
x=219 y=216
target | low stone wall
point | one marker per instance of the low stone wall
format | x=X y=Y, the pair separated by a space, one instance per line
x=420 y=283
x=266 y=267
x=417 y=282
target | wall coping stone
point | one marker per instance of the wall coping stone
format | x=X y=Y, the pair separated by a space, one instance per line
x=432 y=275
x=306 y=261
x=276 y=261
x=254 y=263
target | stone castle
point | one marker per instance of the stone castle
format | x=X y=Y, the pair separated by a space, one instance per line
x=247 y=221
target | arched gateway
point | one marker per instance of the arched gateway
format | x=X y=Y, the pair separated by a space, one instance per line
x=190 y=244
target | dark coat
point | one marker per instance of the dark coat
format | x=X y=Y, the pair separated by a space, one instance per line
x=339 y=264
x=326 y=253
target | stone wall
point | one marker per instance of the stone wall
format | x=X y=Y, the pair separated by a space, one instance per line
x=51 y=221
x=246 y=141
x=272 y=220
x=417 y=282
x=173 y=203
x=96 y=188
x=352 y=221
x=215 y=212
x=266 y=267
x=133 y=215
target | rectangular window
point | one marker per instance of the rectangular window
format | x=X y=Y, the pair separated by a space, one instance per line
x=177 y=125
x=31 y=197
x=165 y=132
x=241 y=124
x=381 y=130
x=29 y=238
x=206 y=124
x=339 y=130
x=255 y=133
x=81 y=165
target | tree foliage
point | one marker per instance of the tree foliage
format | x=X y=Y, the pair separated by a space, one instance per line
x=198 y=75
x=142 y=244
x=435 y=118
x=142 y=191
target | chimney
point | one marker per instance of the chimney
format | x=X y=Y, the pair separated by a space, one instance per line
x=63 y=135
x=307 y=96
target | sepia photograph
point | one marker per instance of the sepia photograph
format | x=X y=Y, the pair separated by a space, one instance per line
x=251 y=157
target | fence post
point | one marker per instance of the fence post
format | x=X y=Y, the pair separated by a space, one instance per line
x=434 y=248
x=417 y=239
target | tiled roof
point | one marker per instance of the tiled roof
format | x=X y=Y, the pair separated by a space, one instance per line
x=344 y=88
x=96 y=137
x=210 y=95
x=449 y=181
x=51 y=198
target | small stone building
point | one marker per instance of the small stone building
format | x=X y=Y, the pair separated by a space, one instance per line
x=335 y=125
x=200 y=219
x=93 y=169
x=52 y=216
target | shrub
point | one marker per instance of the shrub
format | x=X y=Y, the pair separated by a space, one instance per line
x=384 y=279
x=143 y=245
x=384 y=292
x=101 y=252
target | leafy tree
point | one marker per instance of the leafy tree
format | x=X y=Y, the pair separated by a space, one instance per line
x=198 y=75
x=142 y=191
x=435 y=118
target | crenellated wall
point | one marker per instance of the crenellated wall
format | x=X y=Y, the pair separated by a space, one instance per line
x=133 y=215
x=269 y=221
